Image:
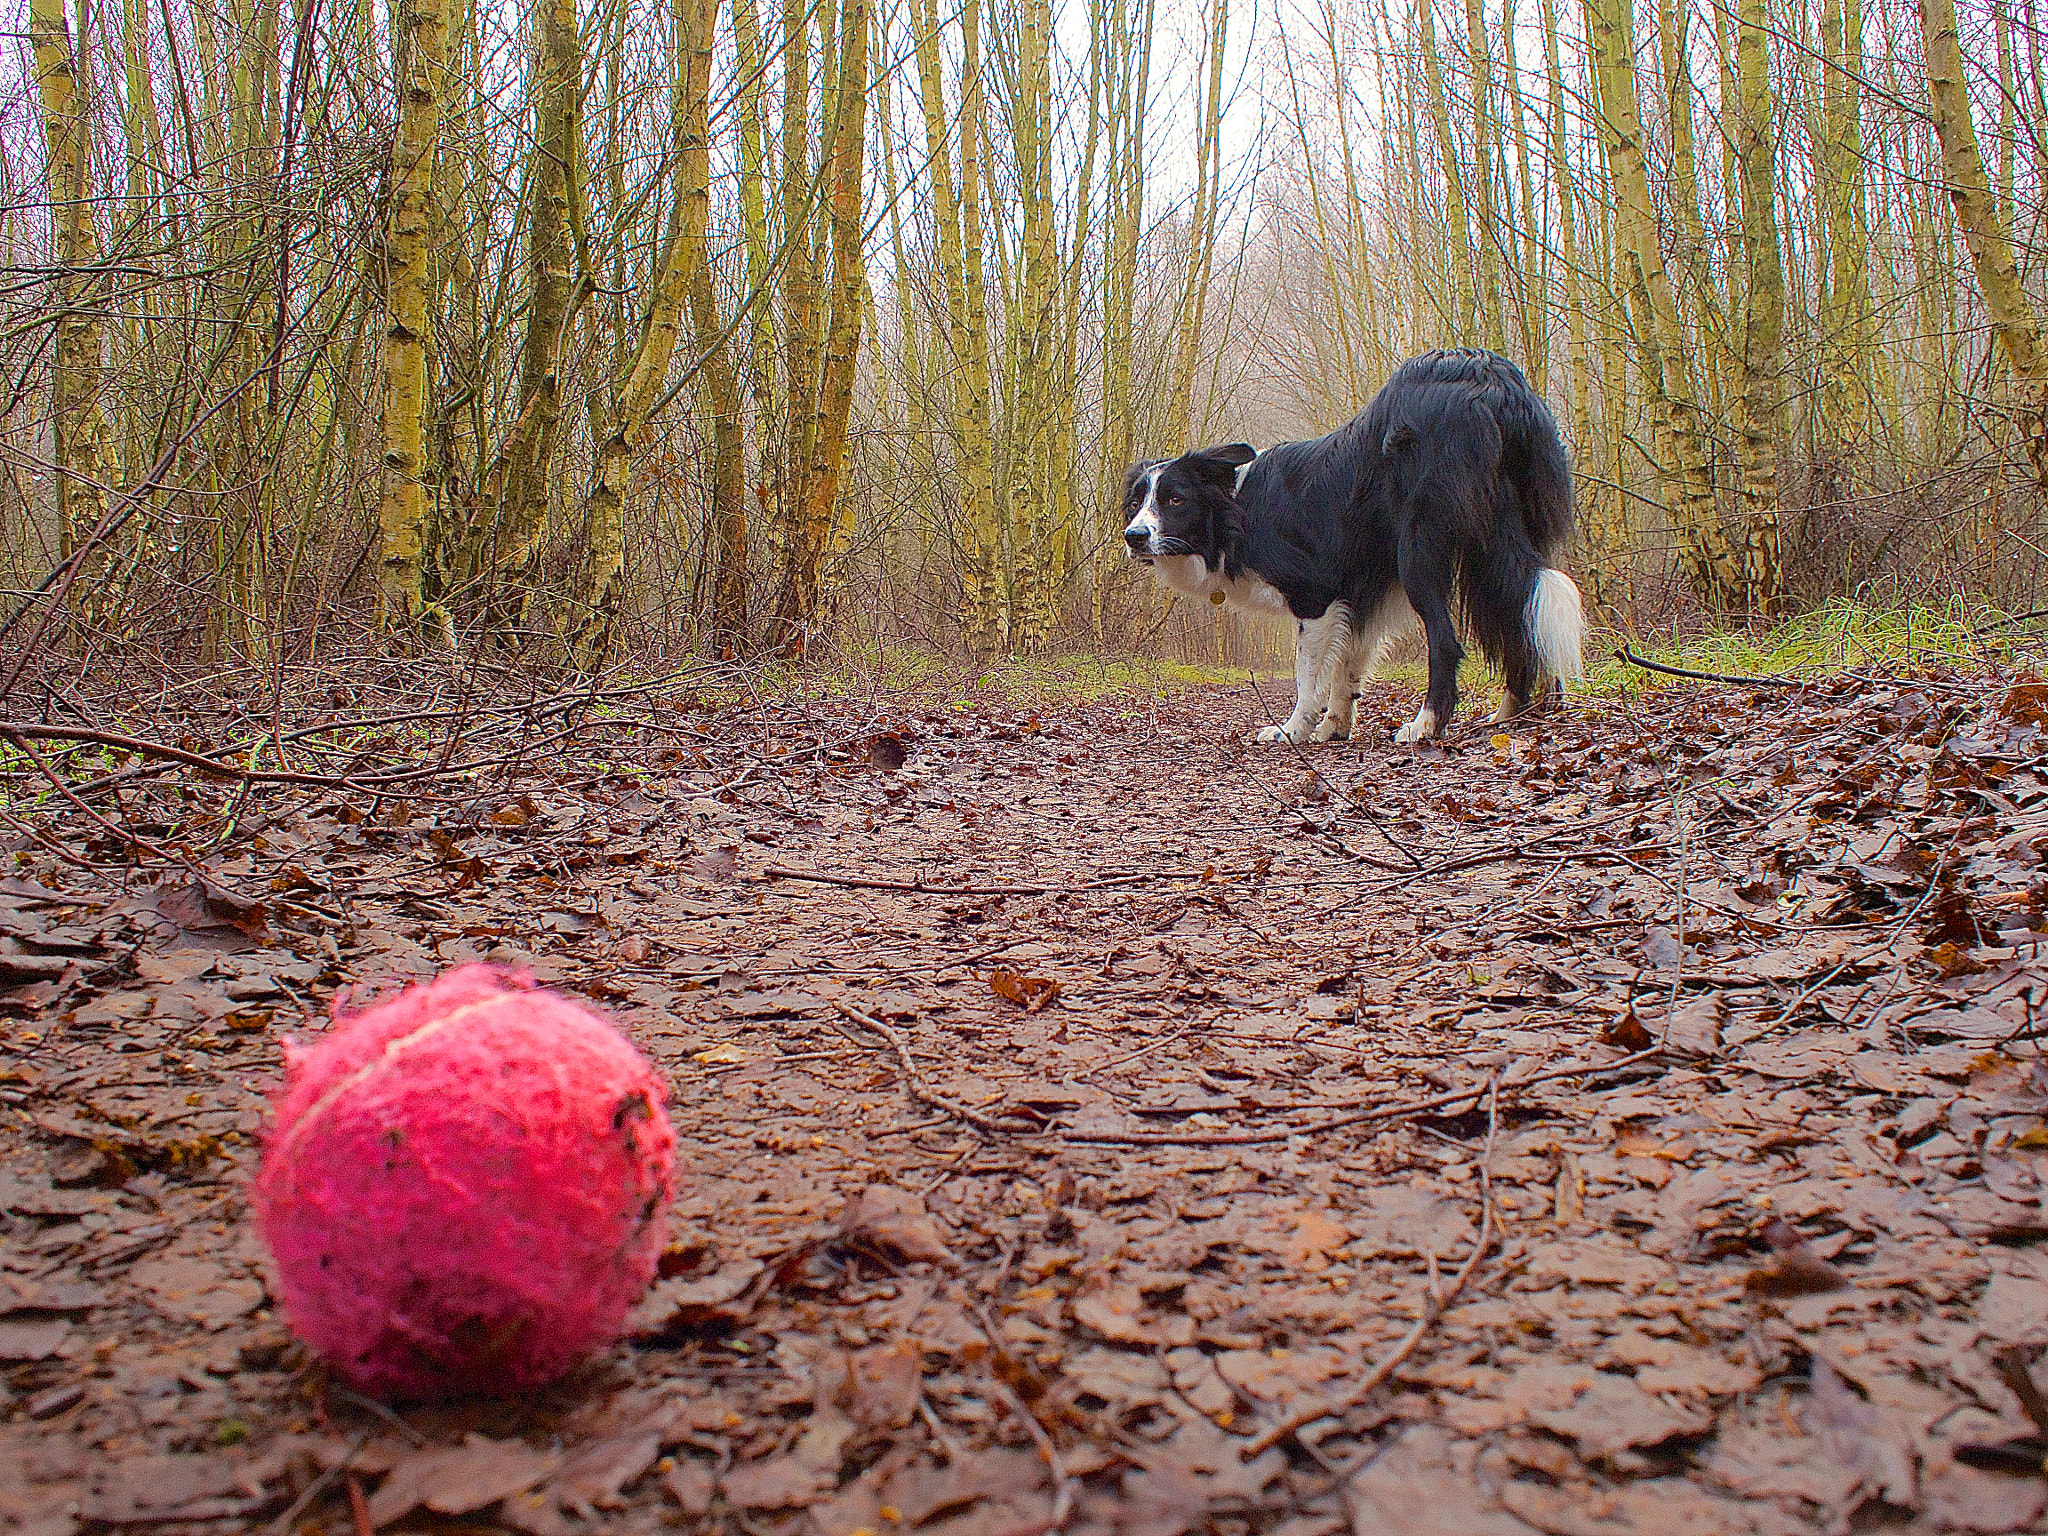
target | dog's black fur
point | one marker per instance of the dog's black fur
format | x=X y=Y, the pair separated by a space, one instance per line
x=1452 y=485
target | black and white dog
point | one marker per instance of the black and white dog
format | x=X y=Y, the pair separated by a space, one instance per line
x=1451 y=486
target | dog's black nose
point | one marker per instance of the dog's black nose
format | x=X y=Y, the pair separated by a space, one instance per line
x=1137 y=538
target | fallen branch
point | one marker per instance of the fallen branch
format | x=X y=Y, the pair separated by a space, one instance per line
x=120 y=834
x=1433 y=1307
x=1462 y=1096
x=1627 y=653
x=21 y=732
x=913 y=1081
x=869 y=883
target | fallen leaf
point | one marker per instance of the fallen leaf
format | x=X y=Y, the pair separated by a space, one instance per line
x=1313 y=1238
x=21 y=1339
x=1119 y=1377
x=1793 y=1268
x=1415 y=1487
x=691 y=1484
x=479 y=1472
x=1614 y=1413
x=594 y=1476
x=213 y=914
x=718 y=866
x=1116 y=1312
x=1666 y=1365
x=677 y=1306
x=1030 y=993
x=2013 y=1308
x=1666 y=1506
x=896 y=1220
x=1958 y=1497
x=1277 y=1375
x=1627 y=1033
x=883 y=1384
x=792 y=1480
x=1862 y=1439
x=193 y=1289
x=151 y=1489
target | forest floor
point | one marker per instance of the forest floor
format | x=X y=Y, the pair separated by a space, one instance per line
x=1630 y=1122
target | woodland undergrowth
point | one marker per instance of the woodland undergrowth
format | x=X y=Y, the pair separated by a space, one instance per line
x=1628 y=1120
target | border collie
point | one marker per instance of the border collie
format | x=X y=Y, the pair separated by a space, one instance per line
x=1451 y=486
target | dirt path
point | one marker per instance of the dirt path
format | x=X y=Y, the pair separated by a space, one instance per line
x=1212 y=1122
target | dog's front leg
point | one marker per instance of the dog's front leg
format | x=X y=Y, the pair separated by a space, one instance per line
x=1311 y=647
x=1345 y=668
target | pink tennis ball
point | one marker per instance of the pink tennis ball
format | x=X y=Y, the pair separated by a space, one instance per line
x=466 y=1187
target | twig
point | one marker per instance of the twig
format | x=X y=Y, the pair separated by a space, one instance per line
x=913 y=1082
x=1062 y=1485
x=20 y=731
x=1364 y=1117
x=1143 y=1050
x=1434 y=1306
x=1627 y=653
x=371 y=1405
x=318 y=1486
x=359 y=1507
x=1898 y=929
x=955 y=1454
x=120 y=834
x=1378 y=822
x=868 y=883
x=2012 y=1370
x=951 y=1167
x=49 y=844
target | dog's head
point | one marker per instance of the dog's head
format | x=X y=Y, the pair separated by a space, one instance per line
x=1186 y=506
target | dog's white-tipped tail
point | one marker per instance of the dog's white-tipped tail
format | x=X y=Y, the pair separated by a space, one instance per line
x=1557 y=625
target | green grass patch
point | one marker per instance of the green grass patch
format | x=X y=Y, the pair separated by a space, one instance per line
x=1076 y=678
x=1842 y=634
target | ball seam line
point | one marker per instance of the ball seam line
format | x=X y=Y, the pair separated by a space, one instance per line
x=383 y=1058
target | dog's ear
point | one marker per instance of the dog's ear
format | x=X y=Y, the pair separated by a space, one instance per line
x=1221 y=464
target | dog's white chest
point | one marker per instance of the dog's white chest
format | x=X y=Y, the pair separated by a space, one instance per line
x=1191 y=574
x=1254 y=594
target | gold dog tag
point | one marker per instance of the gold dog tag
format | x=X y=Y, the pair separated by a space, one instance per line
x=1216 y=598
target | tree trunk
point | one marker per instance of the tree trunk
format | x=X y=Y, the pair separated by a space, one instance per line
x=719 y=398
x=501 y=563
x=1984 y=232
x=1492 y=324
x=815 y=533
x=402 y=517
x=588 y=634
x=1606 y=524
x=1464 y=274
x=78 y=366
x=1188 y=313
x=1032 y=333
x=1530 y=301
x=1661 y=336
x=1763 y=351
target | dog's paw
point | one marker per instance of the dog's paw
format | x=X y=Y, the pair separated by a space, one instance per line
x=1421 y=728
x=1510 y=706
x=1287 y=732
x=1332 y=729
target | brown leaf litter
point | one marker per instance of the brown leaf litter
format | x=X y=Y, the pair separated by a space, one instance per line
x=1635 y=1127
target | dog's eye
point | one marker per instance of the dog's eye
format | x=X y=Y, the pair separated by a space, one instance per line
x=1171 y=499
